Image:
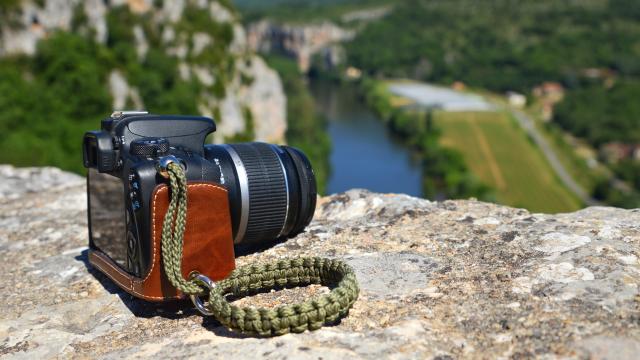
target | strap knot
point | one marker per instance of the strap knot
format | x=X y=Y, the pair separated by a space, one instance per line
x=250 y=279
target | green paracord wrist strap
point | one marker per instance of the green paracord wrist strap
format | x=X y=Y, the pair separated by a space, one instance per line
x=250 y=279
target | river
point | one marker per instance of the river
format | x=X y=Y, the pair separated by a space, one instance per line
x=364 y=154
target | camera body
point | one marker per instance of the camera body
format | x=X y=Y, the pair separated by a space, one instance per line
x=270 y=189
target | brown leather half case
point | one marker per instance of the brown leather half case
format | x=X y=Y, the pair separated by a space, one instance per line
x=207 y=249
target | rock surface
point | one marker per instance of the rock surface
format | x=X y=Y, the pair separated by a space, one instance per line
x=456 y=279
x=300 y=41
x=303 y=41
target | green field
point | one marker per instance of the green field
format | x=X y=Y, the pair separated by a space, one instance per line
x=502 y=156
x=567 y=153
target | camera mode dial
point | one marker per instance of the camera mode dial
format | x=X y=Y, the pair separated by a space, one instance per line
x=150 y=147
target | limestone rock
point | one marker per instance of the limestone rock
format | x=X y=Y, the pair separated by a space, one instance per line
x=301 y=41
x=439 y=280
x=251 y=87
x=122 y=92
x=265 y=98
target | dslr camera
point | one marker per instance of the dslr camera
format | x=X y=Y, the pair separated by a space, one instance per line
x=240 y=197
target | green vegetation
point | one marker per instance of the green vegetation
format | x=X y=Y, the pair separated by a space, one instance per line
x=8 y=5
x=49 y=101
x=606 y=114
x=629 y=170
x=590 y=47
x=481 y=154
x=306 y=130
x=601 y=114
x=575 y=164
x=296 y=11
x=501 y=155
x=567 y=150
x=609 y=191
x=445 y=174
x=501 y=45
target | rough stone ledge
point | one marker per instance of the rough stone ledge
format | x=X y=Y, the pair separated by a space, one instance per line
x=457 y=279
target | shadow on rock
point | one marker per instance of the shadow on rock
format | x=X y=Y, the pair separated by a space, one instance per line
x=138 y=307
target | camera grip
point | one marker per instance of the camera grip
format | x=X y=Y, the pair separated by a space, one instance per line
x=207 y=248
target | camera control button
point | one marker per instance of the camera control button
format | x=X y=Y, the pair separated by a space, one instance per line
x=150 y=147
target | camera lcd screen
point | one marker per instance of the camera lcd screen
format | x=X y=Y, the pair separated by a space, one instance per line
x=107 y=216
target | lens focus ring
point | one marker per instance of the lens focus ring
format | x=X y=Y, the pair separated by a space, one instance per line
x=267 y=191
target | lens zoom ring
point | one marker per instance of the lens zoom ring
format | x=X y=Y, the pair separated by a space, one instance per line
x=267 y=191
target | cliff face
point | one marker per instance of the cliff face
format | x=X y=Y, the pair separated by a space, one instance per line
x=439 y=280
x=265 y=99
x=301 y=42
x=240 y=90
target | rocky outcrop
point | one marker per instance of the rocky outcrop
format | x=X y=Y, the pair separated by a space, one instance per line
x=301 y=42
x=249 y=87
x=453 y=279
x=122 y=92
x=263 y=96
x=31 y=21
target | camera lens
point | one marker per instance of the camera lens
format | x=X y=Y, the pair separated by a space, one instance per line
x=272 y=190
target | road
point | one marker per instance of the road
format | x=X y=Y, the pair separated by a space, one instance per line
x=528 y=125
x=431 y=96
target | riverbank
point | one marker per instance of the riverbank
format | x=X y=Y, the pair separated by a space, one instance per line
x=444 y=172
x=480 y=152
x=347 y=144
x=364 y=152
x=486 y=140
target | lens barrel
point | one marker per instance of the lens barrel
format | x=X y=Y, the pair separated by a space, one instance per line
x=272 y=190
